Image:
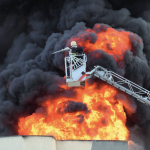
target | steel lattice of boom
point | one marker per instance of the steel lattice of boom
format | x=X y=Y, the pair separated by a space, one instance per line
x=76 y=75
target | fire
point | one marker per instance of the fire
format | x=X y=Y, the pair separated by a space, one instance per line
x=113 y=42
x=93 y=114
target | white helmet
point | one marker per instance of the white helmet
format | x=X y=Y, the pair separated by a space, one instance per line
x=73 y=44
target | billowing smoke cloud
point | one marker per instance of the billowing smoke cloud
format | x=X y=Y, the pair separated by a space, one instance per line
x=31 y=30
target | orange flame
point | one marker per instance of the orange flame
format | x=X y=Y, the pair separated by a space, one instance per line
x=111 y=41
x=103 y=118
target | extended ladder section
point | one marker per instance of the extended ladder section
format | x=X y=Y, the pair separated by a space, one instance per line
x=140 y=93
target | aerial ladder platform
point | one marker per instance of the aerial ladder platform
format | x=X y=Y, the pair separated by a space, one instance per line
x=76 y=75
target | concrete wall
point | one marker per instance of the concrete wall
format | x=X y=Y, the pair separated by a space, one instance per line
x=11 y=143
x=27 y=143
x=109 y=145
x=49 y=143
x=38 y=143
x=73 y=145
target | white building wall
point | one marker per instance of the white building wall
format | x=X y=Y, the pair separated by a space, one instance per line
x=49 y=143
x=11 y=143
x=38 y=143
x=73 y=145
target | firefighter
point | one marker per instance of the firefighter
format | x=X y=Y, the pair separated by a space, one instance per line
x=75 y=49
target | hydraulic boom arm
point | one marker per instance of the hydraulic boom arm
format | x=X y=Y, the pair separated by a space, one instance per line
x=121 y=83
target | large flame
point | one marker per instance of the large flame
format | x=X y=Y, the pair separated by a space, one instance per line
x=113 y=42
x=93 y=114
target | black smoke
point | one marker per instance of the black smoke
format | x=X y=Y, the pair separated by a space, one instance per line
x=75 y=107
x=31 y=30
